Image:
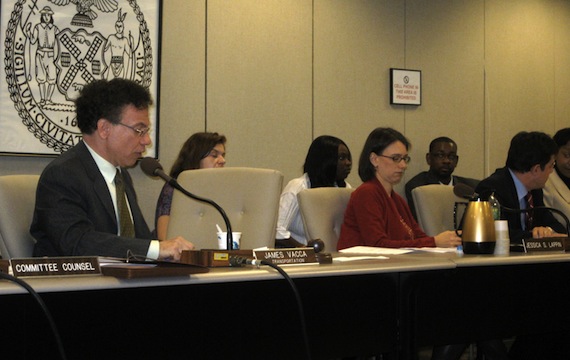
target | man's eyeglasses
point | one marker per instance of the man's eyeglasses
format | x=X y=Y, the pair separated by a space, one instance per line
x=140 y=131
x=398 y=158
x=441 y=156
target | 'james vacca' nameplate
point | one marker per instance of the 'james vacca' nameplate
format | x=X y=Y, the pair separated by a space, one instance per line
x=287 y=256
x=51 y=266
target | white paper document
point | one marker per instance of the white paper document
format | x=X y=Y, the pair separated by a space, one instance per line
x=356 y=258
x=374 y=250
x=435 y=249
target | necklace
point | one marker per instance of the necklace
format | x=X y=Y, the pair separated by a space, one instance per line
x=408 y=228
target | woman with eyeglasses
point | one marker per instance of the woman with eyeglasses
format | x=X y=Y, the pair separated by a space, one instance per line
x=327 y=164
x=376 y=215
x=202 y=150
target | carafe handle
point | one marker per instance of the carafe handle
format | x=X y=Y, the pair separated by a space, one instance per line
x=455 y=225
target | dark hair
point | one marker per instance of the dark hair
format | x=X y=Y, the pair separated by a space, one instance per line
x=528 y=149
x=378 y=140
x=441 y=139
x=50 y=21
x=562 y=137
x=102 y=99
x=195 y=149
x=322 y=160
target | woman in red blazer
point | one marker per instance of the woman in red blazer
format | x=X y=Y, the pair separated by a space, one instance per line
x=376 y=215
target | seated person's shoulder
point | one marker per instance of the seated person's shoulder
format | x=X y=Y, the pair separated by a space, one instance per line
x=418 y=180
x=488 y=184
x=469 y=181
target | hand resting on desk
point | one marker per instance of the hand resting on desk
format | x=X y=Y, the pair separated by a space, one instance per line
x=172 y=248
x=447 y=239
x=545 y=231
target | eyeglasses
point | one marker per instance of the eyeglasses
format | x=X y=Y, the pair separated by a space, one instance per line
x=140 y=131
x=441 y=156
x=398 y=158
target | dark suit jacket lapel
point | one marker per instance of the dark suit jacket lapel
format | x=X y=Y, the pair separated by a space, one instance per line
x=99 y=185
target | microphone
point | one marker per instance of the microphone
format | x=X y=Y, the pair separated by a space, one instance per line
x=554 y=210
x=240 y=260
x=465 y=191
x=151 y=167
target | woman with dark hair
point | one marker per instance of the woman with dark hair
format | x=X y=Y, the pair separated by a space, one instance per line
x=327 y=164
x=376 y=215
x=202 y=150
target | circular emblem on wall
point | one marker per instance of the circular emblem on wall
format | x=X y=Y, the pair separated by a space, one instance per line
x=54 y=48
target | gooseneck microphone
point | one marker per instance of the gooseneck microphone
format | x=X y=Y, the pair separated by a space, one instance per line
x=151 y=167
x=551 y=209
x=465 y=191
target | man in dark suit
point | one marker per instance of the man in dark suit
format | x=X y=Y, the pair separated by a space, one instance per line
x=79 y=208
x=442 y=159
x=529 y=163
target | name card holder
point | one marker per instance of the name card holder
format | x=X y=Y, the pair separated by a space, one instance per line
x=547 y=244
x=287 y=256
x=55 y=266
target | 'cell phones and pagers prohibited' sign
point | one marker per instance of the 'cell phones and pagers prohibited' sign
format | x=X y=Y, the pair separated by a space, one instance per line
x=405 y=87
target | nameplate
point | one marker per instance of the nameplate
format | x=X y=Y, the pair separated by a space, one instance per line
x=55 y=266
x=287 y=256
x=549 y=244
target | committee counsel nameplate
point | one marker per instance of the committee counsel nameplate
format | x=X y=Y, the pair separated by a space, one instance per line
x=51 y=266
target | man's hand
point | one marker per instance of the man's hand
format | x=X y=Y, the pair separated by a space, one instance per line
x=172 y=248
x=545 y=231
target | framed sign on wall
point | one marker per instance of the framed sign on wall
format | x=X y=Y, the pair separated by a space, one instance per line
x=405 y=87
x=51 y=49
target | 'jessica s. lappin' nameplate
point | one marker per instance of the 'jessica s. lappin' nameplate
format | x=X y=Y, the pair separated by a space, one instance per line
x=55 y=266
x=548 y=244
x=287 y=256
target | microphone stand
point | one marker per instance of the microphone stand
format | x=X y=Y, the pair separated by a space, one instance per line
x=519 y=211
x=229 y=237
x=152 y=167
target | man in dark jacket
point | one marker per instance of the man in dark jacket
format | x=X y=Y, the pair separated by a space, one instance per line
x=442 y=159
x=519 y=185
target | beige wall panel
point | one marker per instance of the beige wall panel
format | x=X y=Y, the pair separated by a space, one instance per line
x=561 y=63
x=272 y=74
x=445 y=40
x=356 y=42
x=519 y=59
x=259 y=81
x=182 y=105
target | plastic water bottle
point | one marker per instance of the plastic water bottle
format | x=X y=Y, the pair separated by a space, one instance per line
x=495 y=207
